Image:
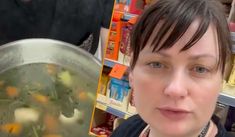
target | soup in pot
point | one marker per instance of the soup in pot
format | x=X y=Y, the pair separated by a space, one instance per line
x=45 y=100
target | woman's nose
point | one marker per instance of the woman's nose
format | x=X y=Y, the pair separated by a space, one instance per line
x=176 y=86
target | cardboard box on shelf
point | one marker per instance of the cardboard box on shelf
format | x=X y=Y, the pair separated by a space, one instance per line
x=124 y=59
x=231 y=79
x=124 y=48
x=122 y=5
x=102 y=98
x=228 y=89
x=118 y=94
x=114 y=38
x=101 y=95
x=103 y=84
x=137 y=6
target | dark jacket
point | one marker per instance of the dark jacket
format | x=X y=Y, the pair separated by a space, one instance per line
x=134 y=126
x=72 y=21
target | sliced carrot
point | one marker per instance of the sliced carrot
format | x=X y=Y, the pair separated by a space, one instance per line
x=40 y=98
x=82 y=96
x=51 y=123
x=12 y=128
x=12 y=91
x=51 y=69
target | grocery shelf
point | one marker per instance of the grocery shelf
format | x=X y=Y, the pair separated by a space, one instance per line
x=110 y=63
x=226 y=99
x=127 y=15
x=116 y=112
x=92 y=134
x=101 y=106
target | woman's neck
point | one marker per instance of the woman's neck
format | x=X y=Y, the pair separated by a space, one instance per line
x=211 y=132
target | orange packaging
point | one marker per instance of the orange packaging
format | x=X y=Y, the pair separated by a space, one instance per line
x=119 y=7
x=114 y=36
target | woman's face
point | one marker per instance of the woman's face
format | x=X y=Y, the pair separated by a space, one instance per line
x=176 y=92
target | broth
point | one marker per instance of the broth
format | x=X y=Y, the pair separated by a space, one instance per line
x=45 y=100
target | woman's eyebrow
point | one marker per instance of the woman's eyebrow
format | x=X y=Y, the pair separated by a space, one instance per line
x=158 y=53
x=191 y=57
x=201 y=56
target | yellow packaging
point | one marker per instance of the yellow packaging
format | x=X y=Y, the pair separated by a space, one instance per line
x=231 y=79
x=103 y=83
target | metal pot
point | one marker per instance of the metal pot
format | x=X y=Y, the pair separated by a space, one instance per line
x=47 y=51
x=31 y=51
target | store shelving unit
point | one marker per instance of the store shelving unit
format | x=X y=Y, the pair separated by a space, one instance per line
x=227 y=99
x=111 y=110
x=110 y=63
x=127 y=15
x=92 y=134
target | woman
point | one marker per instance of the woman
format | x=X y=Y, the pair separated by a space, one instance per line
x=179 y=52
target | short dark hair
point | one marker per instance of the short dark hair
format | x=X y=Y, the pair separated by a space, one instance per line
x=178 y=15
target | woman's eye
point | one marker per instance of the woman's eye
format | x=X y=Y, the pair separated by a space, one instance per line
x=200 y=69
x=156 y=65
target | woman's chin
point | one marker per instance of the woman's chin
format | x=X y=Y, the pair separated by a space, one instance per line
x=173 y=129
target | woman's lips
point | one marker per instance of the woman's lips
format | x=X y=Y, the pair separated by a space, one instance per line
x=174 y=113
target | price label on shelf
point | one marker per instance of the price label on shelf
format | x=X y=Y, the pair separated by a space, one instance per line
x=101 y=106
x=118 y=71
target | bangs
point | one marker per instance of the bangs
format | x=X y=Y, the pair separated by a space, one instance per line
x=173 y=25
x=165 y=22
x=170 y=34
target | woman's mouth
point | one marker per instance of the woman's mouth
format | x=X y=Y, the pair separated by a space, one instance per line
x=174 y=113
